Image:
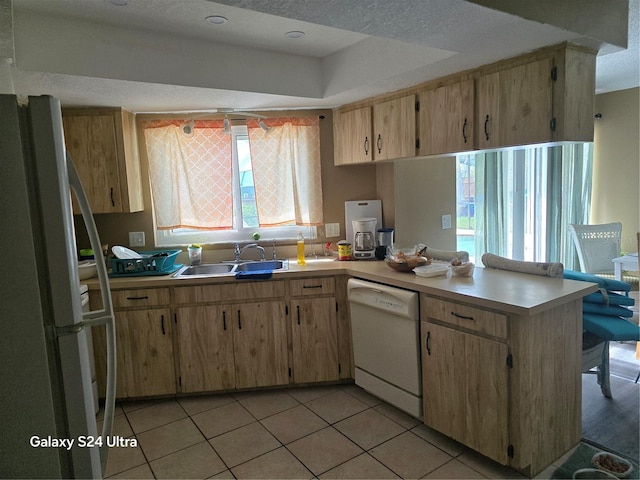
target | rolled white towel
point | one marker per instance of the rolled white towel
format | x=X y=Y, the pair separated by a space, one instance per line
x=555 y=270
x=446 y=255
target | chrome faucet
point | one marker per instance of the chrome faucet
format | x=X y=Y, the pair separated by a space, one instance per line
x=239 y=251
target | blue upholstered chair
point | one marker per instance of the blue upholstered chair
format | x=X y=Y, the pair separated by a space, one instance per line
x=604 y=319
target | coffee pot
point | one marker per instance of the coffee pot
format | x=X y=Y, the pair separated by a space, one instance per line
x=364 y=243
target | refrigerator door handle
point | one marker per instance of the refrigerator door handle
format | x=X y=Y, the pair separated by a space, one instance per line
x=99 y=317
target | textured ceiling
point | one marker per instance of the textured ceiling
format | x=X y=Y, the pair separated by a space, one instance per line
x=159 y=55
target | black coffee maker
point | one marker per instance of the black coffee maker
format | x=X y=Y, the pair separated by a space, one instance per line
x=384 y=237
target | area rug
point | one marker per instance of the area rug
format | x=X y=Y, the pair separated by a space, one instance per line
x=581 y=458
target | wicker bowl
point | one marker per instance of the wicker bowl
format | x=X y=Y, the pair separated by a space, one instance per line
x=405 y=260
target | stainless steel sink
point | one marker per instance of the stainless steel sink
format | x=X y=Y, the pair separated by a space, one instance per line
x=225 y=268
x=205 y=269
x=260 y=265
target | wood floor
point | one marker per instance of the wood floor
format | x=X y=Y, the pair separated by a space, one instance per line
x=614 y=423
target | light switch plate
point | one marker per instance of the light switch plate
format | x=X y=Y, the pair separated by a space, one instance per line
x=446 y=221
x=331 y=230
x=136 y=239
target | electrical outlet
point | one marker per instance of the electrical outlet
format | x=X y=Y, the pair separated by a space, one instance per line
x=331 y=230
x=136 y=239
x=446 y=221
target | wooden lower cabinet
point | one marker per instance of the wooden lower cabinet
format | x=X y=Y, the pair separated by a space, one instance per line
x=205 y=349
x=145 y=352
x=314 y=335
x=263 y=335
x=505 y=384
x=223 y=347
x=259 y=343
x=462 y=370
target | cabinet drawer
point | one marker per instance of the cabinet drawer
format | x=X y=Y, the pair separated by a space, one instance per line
x=229 y=292
x=147 y=297
x=312 y=286
x=466 y=316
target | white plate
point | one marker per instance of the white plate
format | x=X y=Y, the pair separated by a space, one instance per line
x=124 y=252
x=433 y=270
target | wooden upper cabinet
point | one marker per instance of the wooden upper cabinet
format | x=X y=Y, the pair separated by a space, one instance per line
x=353 y=132
x=488 y=113
x=445 y=119
x=574 y=95
x=548 y=99
x=102 y=143
x=515 y=106
x=542 y=97
x=394 y=128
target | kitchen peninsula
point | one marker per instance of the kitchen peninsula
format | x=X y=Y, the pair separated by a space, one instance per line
x=501 y=351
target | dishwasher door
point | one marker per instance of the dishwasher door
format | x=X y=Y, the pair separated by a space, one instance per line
x=386 y=343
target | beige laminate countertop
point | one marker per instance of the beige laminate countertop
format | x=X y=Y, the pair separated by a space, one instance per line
x=508 y=292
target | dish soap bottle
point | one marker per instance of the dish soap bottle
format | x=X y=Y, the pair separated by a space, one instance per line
x=301 y=260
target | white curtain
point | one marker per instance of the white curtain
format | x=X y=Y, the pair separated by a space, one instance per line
x=190 y=175
x=287 y=171
x=525 y=199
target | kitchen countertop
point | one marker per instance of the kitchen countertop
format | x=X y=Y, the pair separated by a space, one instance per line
x=509 y=292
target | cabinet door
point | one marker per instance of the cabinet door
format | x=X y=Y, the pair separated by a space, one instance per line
x=526 y=108
x=353 y=137
x=487 y=387
x=443 y=373
x=315 y=339
x=522 y=97
x=147 y=351
x=466 y=389
x=259 y=343
x=122 y=358
x=205 y=342
x=488 y=119
x=394 y=128
x=446 y=119
x=91 y=142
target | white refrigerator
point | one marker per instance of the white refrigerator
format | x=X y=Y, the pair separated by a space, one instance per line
x=48 y=427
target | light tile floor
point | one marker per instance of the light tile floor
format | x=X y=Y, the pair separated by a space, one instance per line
x=315 y=432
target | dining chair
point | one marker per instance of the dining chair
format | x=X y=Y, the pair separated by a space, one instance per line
x=597 y=246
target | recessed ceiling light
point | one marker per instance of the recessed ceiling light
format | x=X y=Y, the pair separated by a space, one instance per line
x=119 y=3
x=217 y=20
x=295 y=34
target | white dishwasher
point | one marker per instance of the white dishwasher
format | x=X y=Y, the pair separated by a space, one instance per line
x=386 y=343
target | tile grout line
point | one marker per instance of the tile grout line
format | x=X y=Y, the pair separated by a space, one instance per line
x=281 y=444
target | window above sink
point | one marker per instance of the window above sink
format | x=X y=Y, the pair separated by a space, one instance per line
x=212 y=187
